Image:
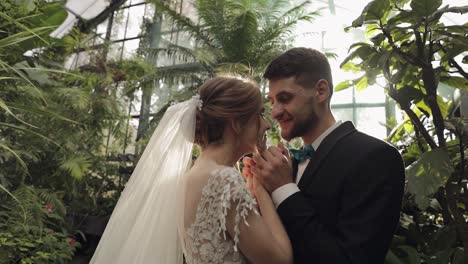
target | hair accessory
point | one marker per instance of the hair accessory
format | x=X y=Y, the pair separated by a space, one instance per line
x=198 y=101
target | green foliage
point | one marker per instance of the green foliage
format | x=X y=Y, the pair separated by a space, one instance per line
x=427 y=174
x=34 y=245
x=417 y=55
x=77 y=166
x=27 y=222
x=54 y=131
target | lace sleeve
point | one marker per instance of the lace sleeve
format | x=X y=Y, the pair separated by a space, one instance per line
x=232 y=191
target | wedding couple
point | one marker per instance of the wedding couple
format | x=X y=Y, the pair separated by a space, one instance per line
x=337 y=204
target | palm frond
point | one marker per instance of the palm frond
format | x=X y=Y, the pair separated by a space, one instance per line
x=183 y=73
x=42 y=69
x=183 y=22
x=22 y=36
x=24 y=77
x=25 y=93
x=212 y=15
x=174 y=51
x=77 y=99
x=25 y=28
x=16 y=199
x=272 y=9
x=276 y=33
x=209 y=56
x=33 y=207
x=295 y=12
x=285 y=22
x=234 y=68
x=243 y=36
x=17 y=157
x=30 y=132
x=5 y=107
x=41 y=112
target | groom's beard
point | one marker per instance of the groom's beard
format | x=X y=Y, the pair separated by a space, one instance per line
x=303 y=126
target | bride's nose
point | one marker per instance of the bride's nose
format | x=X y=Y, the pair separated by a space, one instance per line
x=266 y=123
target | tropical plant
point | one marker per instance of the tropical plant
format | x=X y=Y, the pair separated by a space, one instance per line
x=31 y=228
x=239 y=37
x=415 y=56
x=55 y=130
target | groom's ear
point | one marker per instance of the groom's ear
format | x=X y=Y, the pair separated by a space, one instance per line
x=236 y=126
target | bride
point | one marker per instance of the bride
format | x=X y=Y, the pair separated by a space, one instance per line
x=205 y=212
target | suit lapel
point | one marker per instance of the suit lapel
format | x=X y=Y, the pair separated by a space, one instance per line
x=295 y=165
x=325 y=147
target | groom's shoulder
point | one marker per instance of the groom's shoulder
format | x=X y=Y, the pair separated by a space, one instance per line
x=366 y=142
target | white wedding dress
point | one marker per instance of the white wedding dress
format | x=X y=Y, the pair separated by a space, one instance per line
x=206 y=238
x=153 y=222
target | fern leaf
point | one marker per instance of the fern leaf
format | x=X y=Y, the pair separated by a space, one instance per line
x=76 y=166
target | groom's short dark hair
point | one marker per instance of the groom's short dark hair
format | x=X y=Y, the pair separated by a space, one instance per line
x=305 y=64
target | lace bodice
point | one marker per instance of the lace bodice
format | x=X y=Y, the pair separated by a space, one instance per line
x=207 y=239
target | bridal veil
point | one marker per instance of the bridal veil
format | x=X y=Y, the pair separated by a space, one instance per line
x=144 y=225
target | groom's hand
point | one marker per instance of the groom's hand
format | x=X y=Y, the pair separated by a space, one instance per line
x=273 y=167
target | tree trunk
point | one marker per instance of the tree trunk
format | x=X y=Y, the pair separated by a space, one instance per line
x=431 y=83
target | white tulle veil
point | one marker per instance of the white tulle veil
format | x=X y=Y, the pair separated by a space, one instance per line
x=144 y=225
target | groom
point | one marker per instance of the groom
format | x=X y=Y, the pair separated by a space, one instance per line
x=340 y=201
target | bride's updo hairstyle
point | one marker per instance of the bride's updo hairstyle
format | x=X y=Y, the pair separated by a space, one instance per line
x=225 y=98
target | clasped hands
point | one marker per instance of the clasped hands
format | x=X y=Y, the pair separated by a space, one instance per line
x=268 y=170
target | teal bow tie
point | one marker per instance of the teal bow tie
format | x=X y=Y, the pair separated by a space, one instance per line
x=306 y=152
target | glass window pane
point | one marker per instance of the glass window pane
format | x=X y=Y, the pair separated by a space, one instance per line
x=102 y=28
x=135 y=20
x=343 y=114
x=119 y=24
x=342 y=97
x=76 y=60
x=98 y=40
x=188 y=9
x=115 y=51
x=370 y=120
x=130 y=48
x=372 y=94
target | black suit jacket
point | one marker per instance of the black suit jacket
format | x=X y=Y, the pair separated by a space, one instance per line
x=349 y=203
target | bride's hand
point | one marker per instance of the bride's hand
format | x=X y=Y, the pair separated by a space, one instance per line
x=258 y=188
x=247 y=173
x=253 y=184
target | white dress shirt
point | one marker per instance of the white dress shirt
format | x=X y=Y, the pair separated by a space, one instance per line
x=283 y=192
